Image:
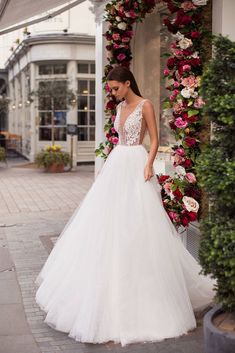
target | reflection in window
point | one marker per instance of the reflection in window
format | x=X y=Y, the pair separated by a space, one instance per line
x=52 y=69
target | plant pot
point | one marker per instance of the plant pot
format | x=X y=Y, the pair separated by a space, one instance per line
x=55 y=168
x=216 y=340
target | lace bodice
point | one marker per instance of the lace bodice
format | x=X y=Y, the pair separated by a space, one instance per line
x=133 y=130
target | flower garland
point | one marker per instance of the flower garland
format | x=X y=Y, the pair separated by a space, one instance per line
x=180 y=193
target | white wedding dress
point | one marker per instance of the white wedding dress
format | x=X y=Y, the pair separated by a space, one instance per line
x=119 y=271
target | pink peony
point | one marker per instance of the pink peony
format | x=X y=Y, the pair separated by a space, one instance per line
x=121 y=57
x=190 y=81
x=180 y=123
x=191 y=178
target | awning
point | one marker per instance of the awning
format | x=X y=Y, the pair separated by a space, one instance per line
x=16 y=14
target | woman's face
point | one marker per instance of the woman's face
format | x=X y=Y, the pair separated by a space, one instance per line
x=119 y=89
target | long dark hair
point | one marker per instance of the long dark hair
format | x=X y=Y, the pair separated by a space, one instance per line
x=122 y=74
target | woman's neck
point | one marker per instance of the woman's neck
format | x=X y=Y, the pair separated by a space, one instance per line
x=131 y=98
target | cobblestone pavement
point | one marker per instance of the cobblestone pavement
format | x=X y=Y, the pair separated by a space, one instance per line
x=34 y=207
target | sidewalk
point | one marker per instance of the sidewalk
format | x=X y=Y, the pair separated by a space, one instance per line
x=34 y=207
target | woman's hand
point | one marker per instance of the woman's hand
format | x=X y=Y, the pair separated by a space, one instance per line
x=148 y=172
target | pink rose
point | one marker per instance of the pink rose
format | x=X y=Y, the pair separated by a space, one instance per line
x=199 y=102
x=190 y=81
x=125 y=39
x=166 y=72
x=116 y=46
x=167 y=187
x=172 y=97
x=187 y=6
x=180 y=123
x=116 y=36
x=115 y=140
x=178 y=160
x=180 y=151
x=113 y=130
x=176 y=84
x=121 y=57
x=132 y=14
x=113 y=117
x=186 y=68
x=191 y=178
x=178 y=107
x=173 y=215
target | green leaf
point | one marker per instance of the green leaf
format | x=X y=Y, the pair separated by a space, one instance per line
x=192 y=112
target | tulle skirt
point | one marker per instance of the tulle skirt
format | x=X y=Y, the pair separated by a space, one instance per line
x=119 y=271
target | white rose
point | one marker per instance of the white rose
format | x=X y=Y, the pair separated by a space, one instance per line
x=191 y=204
x=195 y=55
x=185 y=43
x=189 y=92
x=118 y=18
x=200 y=2
x=178 y=36
x=180 y=170
x=122 y=26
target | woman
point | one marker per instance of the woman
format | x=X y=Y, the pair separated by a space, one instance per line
x=119 y=271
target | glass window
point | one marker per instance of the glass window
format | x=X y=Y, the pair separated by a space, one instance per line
x=92 y=68
x=83 y=68
x=52 y=96
x=86 y=109
x=82 y=133
x=52 y=69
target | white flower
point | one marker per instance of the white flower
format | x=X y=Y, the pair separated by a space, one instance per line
x=189 y=92
x=200 y=2
x=122 y=26
x=195 y=55
x=185 y=43
x=118 y=18
x=191 y=204
x=178 y=36
x=180 y=171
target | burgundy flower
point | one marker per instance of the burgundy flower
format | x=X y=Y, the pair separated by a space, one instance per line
x=171 y=63
x=178 y=194
x=190 y=141
x=185 y=221
x=195 y=34
x=110 y=105
x=162 y=178
x=172 y=28
x=187 y=163
x=172 y=8
x=193 y=118
x=182 y=19
x=172 y=125
x=121 y=57
x=192 y=216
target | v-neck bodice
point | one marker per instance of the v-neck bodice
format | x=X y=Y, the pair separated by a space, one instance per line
x=132 y=131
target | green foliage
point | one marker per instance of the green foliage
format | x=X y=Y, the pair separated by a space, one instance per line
x=47 y=158
x=216 y=171
x=2 y=154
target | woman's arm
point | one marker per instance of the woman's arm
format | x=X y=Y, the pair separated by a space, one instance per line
x=149 y=116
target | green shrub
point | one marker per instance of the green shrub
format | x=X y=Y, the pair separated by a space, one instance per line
x=52 y=155
x=216 y=172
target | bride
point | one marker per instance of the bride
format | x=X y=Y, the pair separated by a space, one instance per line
x=119 y=271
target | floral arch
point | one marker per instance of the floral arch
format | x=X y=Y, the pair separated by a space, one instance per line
x=180 y=193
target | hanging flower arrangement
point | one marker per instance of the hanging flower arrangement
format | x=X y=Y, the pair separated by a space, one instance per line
x=180 y=193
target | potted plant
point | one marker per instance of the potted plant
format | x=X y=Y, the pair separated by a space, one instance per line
x=216 y=173
x=53 y=159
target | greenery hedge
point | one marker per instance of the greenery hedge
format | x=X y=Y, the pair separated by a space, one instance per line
x=216 y=171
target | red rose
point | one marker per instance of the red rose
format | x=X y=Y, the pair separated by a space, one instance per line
x=162 y=178
x=170 y=26
x=187 y=163
x=170 y=63
x=193 y=118
x=185 y=221
x=178 y=194
x=195 y=62
x=195 y=34
x=172 y=125
x=182 y=19
x=192 y=216
x=110 y=105
x=172 y=8
x=190 y=141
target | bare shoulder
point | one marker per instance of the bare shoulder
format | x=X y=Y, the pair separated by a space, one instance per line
x=148 y=106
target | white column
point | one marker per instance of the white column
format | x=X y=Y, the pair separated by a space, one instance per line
x=223 y=18
x=72 y=113
x=33 y=131
x=100 y=116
